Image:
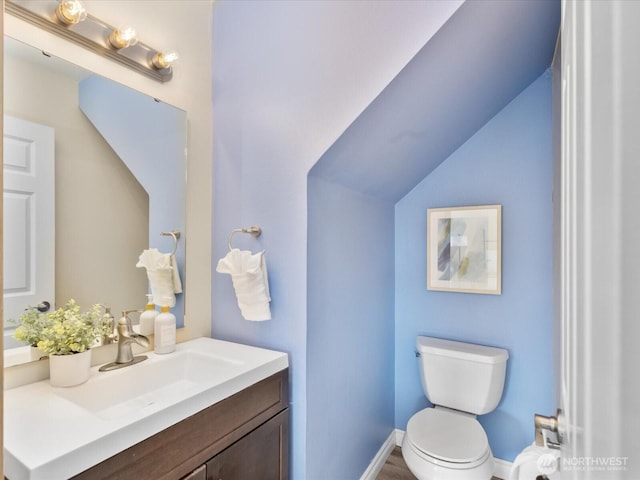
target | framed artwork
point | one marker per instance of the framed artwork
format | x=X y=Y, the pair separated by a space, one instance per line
x=464 y=249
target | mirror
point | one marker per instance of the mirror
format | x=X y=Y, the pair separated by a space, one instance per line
x=119 y=159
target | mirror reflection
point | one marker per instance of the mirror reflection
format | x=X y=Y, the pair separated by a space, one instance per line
x=103 y=168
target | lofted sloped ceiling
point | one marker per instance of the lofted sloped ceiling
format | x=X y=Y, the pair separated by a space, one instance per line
x=480 y=59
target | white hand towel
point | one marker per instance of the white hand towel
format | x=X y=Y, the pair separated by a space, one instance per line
x=163 y=275
x=250 y=282
x=177 y=284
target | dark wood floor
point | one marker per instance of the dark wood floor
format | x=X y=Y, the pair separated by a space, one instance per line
x=396 y=469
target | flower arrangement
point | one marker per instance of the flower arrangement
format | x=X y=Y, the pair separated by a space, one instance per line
x=64 y=331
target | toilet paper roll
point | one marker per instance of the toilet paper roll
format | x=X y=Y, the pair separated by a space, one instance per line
x=534 y=461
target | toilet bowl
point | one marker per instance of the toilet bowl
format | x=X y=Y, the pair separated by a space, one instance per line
x=445 y=444
x=446 y=441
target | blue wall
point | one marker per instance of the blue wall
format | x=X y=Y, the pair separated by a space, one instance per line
x=289 y=78
x=260 y=178
x=507 y=162
x=350 y=326
x=284 y=94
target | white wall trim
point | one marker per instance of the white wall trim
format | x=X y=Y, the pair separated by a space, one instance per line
x=501 y=470
x=378 y=461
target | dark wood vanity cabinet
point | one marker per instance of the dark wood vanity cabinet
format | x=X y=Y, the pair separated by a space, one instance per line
x=243 y=437
x=258 y=455
x=199 y=473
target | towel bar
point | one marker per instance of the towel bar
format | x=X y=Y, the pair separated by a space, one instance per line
x=253 y=230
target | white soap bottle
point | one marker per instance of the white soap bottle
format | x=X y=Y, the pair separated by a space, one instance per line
x=148 y=317
x=165 y=331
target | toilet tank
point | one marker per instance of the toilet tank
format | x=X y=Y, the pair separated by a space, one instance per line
x=462 y=376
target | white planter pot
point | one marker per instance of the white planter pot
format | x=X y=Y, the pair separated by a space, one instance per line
x=69 y=370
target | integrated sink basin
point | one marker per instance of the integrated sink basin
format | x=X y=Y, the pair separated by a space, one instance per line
x=151 y=385
x=59 y=432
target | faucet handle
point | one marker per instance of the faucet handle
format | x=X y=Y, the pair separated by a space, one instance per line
x=126 y=313
x=124 y=327
x=124 y=324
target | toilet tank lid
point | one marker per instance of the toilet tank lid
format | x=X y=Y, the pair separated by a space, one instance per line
x=461 y=350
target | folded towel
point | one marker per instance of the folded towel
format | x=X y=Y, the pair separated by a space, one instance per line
x=163 y=275
x=249 y=276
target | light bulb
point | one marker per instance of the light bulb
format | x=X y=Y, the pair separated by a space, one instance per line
x=71 y=12
x=164 y=60
x=123 y=37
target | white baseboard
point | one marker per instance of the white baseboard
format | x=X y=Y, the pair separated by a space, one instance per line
x=378 y=461
x=501 y=470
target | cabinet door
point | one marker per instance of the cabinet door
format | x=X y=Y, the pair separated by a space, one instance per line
x=263 y=454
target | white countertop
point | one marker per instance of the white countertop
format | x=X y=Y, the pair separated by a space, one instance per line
x=55 y=433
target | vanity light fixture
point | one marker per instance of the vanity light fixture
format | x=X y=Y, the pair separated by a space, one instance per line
x=164 y=59
x=123 y=37
x=70 y=20
x=71 y=12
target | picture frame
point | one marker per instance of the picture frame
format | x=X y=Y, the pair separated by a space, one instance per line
x=464 y=249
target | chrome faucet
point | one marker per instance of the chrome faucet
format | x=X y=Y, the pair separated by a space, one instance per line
x=126 y=336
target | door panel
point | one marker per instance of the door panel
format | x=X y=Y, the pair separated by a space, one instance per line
x=600 y=258
x=28 y=217
x=261 y=454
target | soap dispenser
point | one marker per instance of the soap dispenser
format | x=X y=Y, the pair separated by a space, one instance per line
x=165 y=331
x=148 y=317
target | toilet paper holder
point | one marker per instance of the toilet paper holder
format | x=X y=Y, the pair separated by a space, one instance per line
x=550 y=424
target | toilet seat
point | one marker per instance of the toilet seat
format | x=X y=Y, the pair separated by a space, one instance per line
x=448 y=438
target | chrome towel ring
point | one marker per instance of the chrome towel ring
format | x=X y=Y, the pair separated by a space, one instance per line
x=254 y=230
x=176 y=235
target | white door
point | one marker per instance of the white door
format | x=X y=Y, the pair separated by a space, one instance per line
x=28 y=218
x=599 y=315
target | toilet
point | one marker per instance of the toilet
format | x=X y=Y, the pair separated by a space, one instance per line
x=461 y=380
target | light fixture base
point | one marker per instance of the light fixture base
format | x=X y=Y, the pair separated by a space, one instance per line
x=92 y=34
